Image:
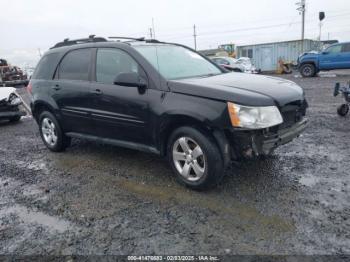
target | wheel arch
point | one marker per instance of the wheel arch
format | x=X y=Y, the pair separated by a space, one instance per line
x=172 y=121
x=176 y=120
x=310 y=62
x=40 y=106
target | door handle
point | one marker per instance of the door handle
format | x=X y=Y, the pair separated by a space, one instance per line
x=56 y=87
x=97 y=92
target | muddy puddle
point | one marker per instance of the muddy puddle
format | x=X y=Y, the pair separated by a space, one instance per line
x=28 y=217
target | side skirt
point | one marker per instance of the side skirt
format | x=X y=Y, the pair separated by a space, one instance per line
x=115 y=142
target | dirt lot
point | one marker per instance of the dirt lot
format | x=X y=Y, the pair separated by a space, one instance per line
x=98 y=199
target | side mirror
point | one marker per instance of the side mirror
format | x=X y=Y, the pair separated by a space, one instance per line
x=130 y=79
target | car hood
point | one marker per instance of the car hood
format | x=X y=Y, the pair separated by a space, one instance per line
x=5 y=92
x=246 y=89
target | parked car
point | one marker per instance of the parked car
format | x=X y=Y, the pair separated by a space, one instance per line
x=162 y=98
x=228 y=63
x=242 y=64
x=336 y=56
x=248 y=65
x=9 y=104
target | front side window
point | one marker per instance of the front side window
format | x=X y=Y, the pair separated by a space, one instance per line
x=110 y=62
x=334 y=49
x=176 y=62
x=75 y=65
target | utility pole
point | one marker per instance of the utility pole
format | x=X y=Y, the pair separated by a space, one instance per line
x=301 y=9
x=195 y=37
x=150 y=33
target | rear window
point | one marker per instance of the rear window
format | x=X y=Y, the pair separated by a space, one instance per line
x=46 y=67
x=75 y=65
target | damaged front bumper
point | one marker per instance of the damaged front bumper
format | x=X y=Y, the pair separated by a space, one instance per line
x=253 y=143
x=10 y=106
x=11 y=114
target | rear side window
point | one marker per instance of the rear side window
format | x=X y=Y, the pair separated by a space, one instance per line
x=46 y=67
x=75 y=65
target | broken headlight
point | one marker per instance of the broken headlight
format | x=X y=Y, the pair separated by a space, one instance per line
x=254 y=117
x=14 y=100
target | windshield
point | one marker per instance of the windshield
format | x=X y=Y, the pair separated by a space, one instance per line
x=176 y=62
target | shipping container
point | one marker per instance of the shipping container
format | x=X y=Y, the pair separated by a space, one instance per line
x=266 y=56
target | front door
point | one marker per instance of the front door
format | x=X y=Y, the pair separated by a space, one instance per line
x=120 y=112
x=331 y=58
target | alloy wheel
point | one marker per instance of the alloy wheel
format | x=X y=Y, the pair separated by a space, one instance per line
x=48 y=129
x=307 y=71
x=189 y=158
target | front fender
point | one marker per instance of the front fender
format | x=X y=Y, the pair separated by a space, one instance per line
x=309 y=60
x=212 y=113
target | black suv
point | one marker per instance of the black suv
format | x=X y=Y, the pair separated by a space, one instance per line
x=162 y=98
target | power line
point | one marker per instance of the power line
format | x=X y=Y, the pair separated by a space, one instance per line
x=171 y=36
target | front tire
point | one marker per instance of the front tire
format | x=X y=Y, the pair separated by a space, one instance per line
x=343 y=110
x=308 y=70
x=51 y=133
x=195 y=158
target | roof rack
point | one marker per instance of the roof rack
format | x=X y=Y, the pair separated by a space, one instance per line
x=90 y=39
x=127 y=38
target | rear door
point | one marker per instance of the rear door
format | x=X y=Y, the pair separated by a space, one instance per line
x=331 y=58
x=71 y=91
x=120 y=112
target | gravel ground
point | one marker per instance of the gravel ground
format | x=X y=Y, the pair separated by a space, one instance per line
x=99 y=199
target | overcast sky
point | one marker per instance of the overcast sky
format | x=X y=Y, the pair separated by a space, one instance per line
x=27 y=26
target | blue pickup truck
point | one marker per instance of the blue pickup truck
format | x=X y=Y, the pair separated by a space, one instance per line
x=336 y=56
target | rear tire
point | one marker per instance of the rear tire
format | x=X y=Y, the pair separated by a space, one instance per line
x=308 y=70
x=343 y=109
x=195 y=158
x=51 y=133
